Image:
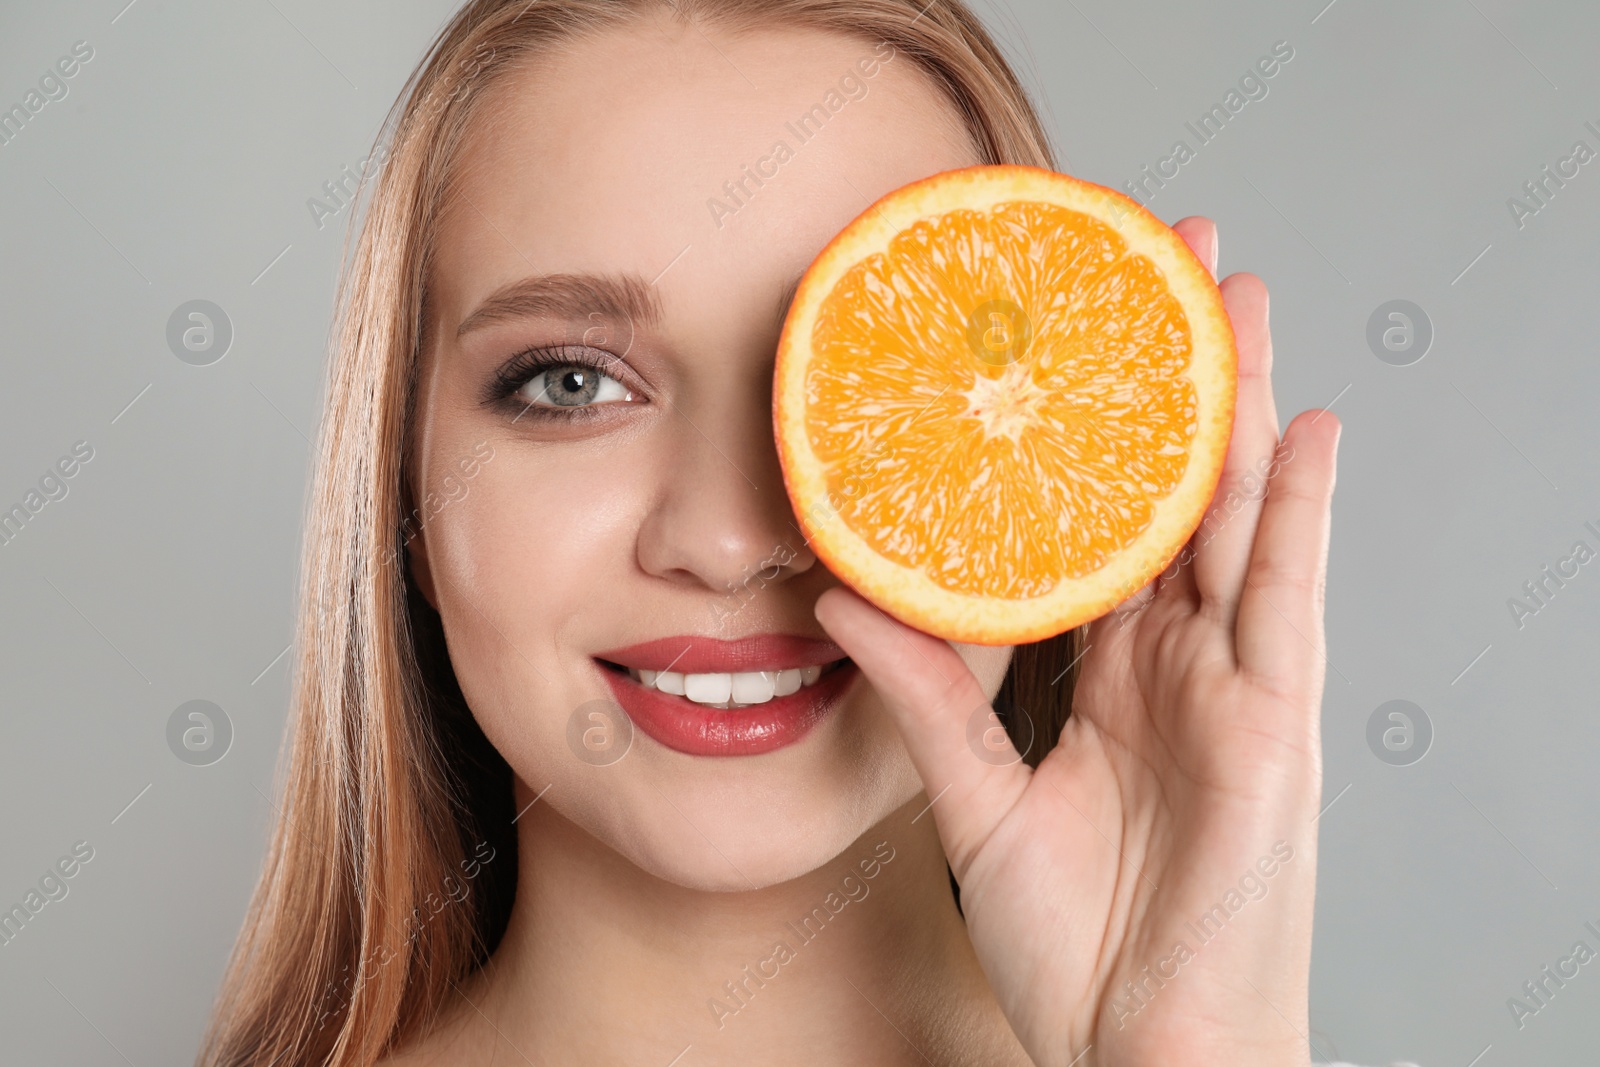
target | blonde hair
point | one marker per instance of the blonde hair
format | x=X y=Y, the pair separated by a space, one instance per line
x=392 y=794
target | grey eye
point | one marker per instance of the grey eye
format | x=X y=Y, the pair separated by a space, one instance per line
x=572 y=385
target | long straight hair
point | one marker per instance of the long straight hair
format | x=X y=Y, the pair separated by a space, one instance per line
x=392 y=862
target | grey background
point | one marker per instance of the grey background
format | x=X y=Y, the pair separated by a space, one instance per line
x=1378 y=167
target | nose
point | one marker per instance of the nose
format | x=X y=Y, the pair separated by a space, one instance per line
x=722 y=520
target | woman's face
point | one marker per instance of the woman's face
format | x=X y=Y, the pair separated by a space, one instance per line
x=644 y=201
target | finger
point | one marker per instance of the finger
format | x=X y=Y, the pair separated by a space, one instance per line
x=934 y=700
x=1200 y=234
x=1223 y=540
x=1279 y=634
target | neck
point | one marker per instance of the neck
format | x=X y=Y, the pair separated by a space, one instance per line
x=865 y=959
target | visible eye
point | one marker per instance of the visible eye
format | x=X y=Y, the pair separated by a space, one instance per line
x=561 y=382
x=571 y=385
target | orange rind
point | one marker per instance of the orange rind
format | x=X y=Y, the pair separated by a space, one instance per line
x=1002 y=402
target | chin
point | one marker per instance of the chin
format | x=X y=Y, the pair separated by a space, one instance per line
x=746 y=842
x=738 y=823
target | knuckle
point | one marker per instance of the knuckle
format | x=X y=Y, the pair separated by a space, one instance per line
x=1280 y=576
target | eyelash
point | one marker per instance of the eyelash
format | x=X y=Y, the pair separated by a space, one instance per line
x=525 y=366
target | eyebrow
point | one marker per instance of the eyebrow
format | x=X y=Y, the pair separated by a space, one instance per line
x=568 y=295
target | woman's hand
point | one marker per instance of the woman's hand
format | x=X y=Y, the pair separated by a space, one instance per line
x=1145 y=896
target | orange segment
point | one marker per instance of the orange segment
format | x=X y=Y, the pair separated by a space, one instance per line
x=1002 y=402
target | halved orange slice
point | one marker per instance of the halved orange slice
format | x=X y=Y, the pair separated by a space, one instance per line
x=1002 y=402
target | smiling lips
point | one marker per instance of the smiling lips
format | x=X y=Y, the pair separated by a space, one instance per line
x=712 y=697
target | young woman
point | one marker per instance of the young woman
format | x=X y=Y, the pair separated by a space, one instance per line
x=547 y=487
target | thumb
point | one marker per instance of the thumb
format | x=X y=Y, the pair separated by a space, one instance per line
x=970 y=769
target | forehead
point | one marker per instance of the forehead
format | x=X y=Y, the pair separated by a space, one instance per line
x=685 y=154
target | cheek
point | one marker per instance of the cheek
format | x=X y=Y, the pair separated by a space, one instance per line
x=539 y=537
x=527 y=567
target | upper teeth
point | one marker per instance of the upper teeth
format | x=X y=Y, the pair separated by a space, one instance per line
x=735 y=690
